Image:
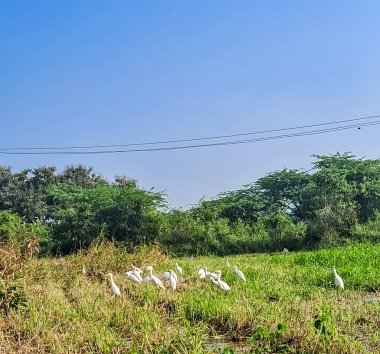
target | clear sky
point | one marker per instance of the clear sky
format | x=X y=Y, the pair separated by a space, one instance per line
x=116 y=72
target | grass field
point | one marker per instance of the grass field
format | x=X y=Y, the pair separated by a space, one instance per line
x=289 y=304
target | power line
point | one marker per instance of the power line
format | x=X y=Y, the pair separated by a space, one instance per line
x=194 y=139
x=182 y=147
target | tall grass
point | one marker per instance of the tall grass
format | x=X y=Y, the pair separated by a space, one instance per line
x=289 y=304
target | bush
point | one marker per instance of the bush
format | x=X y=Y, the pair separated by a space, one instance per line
x=11 y=227
x=11 y=297
x=186 y=235
x=368 y=232
x=279 y=231
x=331 y=225
x=23 y=238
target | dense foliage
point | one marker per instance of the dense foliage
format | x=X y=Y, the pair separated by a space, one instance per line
x=336 y=202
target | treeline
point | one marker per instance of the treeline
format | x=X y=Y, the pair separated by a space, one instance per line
x=336 y=202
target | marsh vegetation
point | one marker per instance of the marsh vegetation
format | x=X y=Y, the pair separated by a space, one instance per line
x=289 y=304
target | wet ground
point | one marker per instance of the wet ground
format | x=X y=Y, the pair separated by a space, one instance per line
x=221 y=344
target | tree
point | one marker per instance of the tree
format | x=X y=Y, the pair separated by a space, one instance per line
x=125 y=214
x=81 y=176
x=24 y=192
x=282 y=192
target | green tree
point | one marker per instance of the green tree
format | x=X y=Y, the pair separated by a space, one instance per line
x=283 y=192
x=122 y=213
x=24 y=192
x=81 y=176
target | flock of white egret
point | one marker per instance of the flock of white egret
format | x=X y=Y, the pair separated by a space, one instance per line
x=135 y=275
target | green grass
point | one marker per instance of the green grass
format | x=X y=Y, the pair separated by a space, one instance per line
x=288 y=304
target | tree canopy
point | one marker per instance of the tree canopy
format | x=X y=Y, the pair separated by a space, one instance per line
x=336 y=201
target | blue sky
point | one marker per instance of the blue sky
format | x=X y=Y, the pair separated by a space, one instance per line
x=117 y=72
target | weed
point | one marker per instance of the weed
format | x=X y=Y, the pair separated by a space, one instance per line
x=11 y=297
x=274 y=311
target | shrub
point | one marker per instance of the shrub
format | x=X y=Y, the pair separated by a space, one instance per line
x=11 y=297
x=23 y=238
x=368 y=232
x=280 y=231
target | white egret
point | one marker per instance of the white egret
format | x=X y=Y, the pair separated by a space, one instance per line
x=214 y=281
x=223 y=285
x=210 y=275
x=338 y=280
x=173 y=280
x=147 y=279
x=155 y=279
x=239 y=273
x=137 y=269
x=137 y=272
x=114 y=287
x=201 y=273
x=167 y=275
x=285 y=250
x=133 y=277
x=179 y=269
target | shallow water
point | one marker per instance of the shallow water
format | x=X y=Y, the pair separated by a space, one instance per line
x=213 y=344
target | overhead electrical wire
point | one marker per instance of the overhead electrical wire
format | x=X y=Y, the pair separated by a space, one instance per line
x=181 y=147
x=193 y=139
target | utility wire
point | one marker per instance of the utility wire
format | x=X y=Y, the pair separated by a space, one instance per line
x=194 y=139
x=181 y=147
